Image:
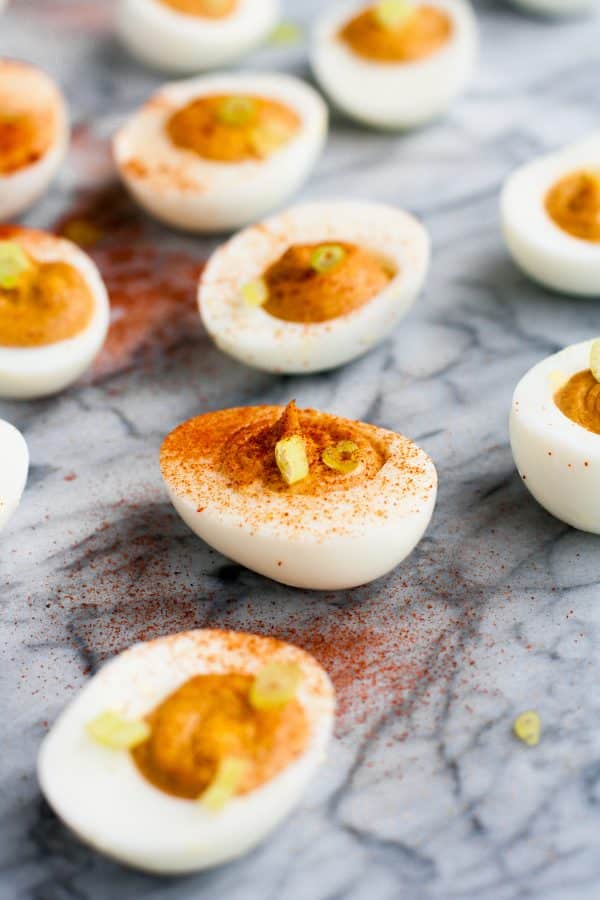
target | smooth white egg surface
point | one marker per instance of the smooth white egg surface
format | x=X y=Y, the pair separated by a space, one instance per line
x=395 y=95
x=184 y=36
x=14 y=464
x=557 y=458
x=34 y=135
x=539 y=246
x=261 y=340
x=190 y=191
x=333 y=530
x=27 y=372
x=104 y=798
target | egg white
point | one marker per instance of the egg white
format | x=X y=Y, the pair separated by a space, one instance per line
x=394 y=95
x=558 y=460
x=185 y=190
x=542 y=249
x=100 y=794
x=30 y=372
x=14 y=464
x=19 y=190
x=343 y=540
x=258 y=339
x=165 y=39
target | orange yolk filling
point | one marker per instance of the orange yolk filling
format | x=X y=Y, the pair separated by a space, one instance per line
x=242 y=448
x=298 y=292
x=424 y=31
x=208 y=719
x=233 y=129
x=573 y=203
x=203 y=9
x=24 y=139
x=51 y=303
x=579 y=400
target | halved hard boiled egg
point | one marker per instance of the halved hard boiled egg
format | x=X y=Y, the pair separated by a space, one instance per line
x=185 y=752
x=551 y=218
x=193 y=35
x=555 y=434
x=215 y=152
x=395 y=63
x=14 y=464
x=34 y=135
x=54 y=312
x=306 y=498
x=314 y=287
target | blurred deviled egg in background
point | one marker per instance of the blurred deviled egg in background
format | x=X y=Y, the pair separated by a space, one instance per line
x=555 y=434
x=194 y=35
x=185 y=752
x=216 y=152
x=34 y=135
x=54 y=312
x=14 y=464
x=550 y=212
x=314 y=287
x=395 y=64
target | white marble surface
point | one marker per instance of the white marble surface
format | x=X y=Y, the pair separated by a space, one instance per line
x=426 y=795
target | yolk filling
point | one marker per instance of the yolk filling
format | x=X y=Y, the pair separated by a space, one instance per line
x=24 y=139
x=579 y=400
x=302 y=289
x=233 y=129
x=209 y=719
x=203 y=9
x=248 y=454
x=573 y=203
x=50 y=302
x=423 y=31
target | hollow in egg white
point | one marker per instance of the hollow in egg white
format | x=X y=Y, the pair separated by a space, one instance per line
x=166 y=719
x=336 y=278
x=34 y=135
x=14 y=465
x=54 y=312
x=356 y=504
x=550 y=211
x=395 y=64
x=182 y=36
x=215 y=152
x=556 y=455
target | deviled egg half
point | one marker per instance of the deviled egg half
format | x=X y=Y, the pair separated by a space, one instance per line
x=396 y=63
x=555 y=434
x=303 y=497
x=54 y=312
x=194 y=35
x=34 y=135
x=215 y=152
x=551 y=218
x=314 y=287
x=185 y=752
x=14 y=464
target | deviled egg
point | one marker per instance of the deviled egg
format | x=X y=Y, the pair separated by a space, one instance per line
x=395 y=63
x=185 y=752
x=555 y=434
x=54 y=312
x=215 y=152
x=14 y=464
x=314 y=287
x=303 y=497
x=194 y=35
x=34 y=134
x=551 y=218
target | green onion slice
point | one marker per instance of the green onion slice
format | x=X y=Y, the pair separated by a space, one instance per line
x=327 y=257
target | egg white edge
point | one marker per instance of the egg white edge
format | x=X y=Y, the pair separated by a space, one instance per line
x=264 y=342
x=28 y=372
x=14 y=466
x=102 y=796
